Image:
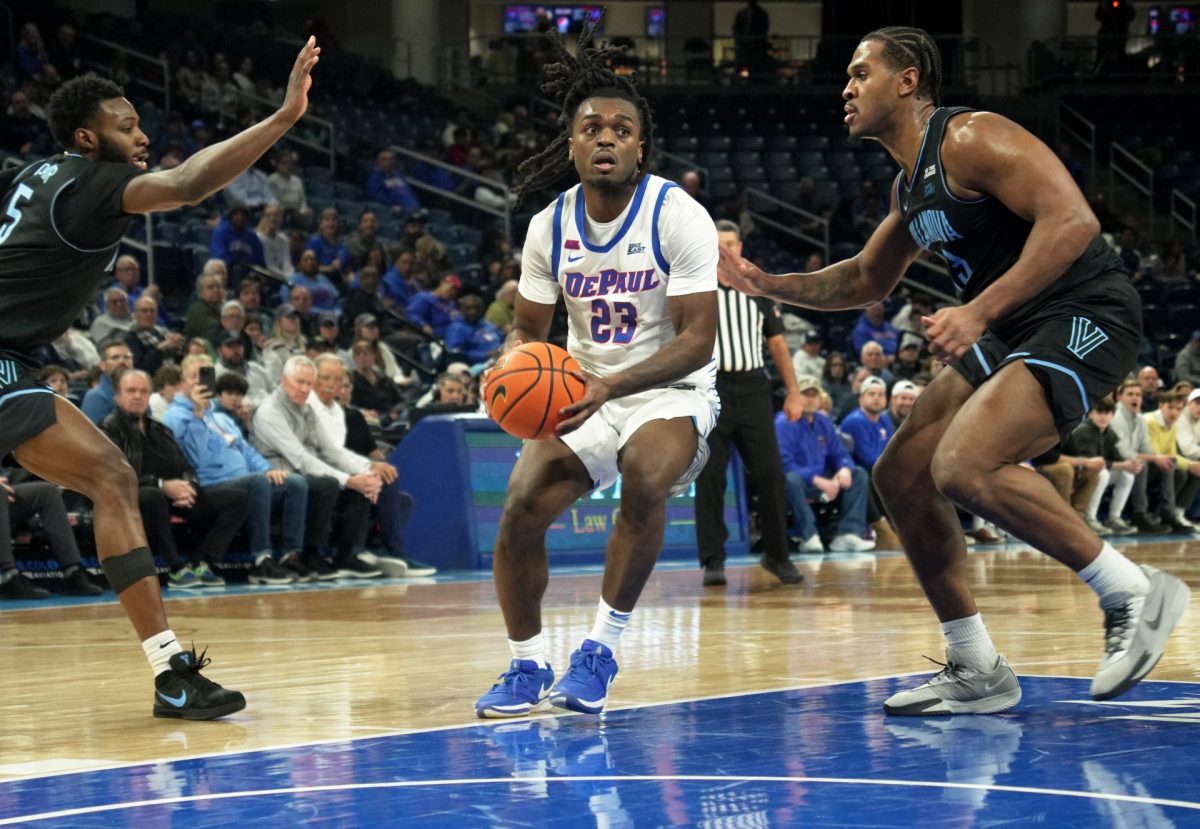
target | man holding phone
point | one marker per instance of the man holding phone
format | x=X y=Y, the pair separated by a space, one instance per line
x=214 y=445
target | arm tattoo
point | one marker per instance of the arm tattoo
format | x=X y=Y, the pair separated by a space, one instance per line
x=833 y=288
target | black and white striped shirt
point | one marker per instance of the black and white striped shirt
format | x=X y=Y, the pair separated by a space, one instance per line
x=743 y=323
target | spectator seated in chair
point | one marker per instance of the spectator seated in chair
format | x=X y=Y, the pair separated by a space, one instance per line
x=21 y=501
x=817 y=465
x=168 y=485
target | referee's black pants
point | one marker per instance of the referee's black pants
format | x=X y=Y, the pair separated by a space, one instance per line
x=747 y=421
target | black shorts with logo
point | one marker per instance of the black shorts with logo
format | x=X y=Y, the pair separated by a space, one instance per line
x=26 y=403
x=1079 y=345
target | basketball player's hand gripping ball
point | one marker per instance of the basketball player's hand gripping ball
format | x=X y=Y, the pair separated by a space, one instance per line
x=529 y=387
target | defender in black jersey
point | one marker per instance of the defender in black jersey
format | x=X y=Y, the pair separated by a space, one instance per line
x=1049 y=323
x=61 y=222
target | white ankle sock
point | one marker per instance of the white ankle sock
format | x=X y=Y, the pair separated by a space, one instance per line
x=968 y=643
x=1114 y=578
x=159 y=649
x=532 y=648
x=609 y=625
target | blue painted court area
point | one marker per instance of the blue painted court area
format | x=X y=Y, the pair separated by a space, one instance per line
x=823 y=756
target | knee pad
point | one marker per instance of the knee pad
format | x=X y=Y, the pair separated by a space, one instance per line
x=128 y=569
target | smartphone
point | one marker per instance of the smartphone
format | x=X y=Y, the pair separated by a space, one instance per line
x=208 y=378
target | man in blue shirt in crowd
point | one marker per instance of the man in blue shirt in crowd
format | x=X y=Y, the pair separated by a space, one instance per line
x=872 y=326
x=386 y=186
x=434 y=310
x=869 y=425
x=395 y=287
x=333 y=255
x=817 y=465
x=471 y=338
x=234 y=242
x=214 y=446
x=99 y=401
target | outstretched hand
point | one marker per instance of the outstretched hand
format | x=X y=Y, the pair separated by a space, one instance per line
x=596 y=392
x=295 y=102
x=741 y=274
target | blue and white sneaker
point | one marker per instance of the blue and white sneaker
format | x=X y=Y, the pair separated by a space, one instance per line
x=522 y=689
x=584 y=687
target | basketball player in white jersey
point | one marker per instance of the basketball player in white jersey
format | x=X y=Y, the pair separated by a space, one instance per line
x=635 y=259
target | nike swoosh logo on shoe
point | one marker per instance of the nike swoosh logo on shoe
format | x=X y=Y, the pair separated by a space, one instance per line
x=1154 y=623
x=988 y=686
x=178 y=701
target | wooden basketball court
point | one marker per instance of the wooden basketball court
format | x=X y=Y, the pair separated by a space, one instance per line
x=359 y=661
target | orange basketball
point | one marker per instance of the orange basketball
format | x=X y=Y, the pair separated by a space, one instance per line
x=527 y=388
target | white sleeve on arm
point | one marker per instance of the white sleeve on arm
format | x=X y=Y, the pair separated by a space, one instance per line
x=273 y=431
x=689 y=244
x=538 y=283
x=340 y=456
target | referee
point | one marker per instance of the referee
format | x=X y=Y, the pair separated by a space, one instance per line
x=747 y=421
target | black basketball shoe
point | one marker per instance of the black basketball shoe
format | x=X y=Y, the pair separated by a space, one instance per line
x=182 y=693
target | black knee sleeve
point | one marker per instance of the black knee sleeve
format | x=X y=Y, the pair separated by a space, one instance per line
x=126 y=570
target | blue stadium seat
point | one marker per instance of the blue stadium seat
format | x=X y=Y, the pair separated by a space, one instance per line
x=721 y=172
x=722 y=190
x=782 y=172
x=752 y=176
x=461 y=254
x=743 y=158
x=814 y=142
x=848 y=173
x=172 y=234
x=716 y=143
x=749 y=142
x=195 y=256
x=1183 y=319
x=843 y=158
x=809 y=160
x=782 y=142
x=826 y=192
x=788 y=191
x=345 y=191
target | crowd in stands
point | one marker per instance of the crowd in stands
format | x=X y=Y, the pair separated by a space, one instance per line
x=334 y=314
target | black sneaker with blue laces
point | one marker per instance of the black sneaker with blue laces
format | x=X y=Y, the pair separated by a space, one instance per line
x=182 y=693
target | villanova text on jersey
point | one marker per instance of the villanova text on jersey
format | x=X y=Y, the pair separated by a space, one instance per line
x=932 y=227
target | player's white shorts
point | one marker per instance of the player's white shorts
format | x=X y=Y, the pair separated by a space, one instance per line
x=598 y=441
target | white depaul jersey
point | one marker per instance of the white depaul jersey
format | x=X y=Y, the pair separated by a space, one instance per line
x=615 y=277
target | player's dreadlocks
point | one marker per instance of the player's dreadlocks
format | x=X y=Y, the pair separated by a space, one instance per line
x=75 y=102
x=570 y=81
x=904 y=47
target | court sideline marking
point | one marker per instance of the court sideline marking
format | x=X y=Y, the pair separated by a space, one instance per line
x=524 y=781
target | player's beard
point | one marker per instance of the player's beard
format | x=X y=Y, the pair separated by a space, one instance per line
x=109 y=151
x=611 y=186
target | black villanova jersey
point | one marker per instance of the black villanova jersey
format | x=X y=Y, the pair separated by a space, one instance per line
x=61 y=223
x=979 y=239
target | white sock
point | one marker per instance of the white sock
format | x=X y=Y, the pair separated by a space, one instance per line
x=609 y=625
x=1114 y=578
x=532 y=649
x=159 y=649
x=968 y=643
